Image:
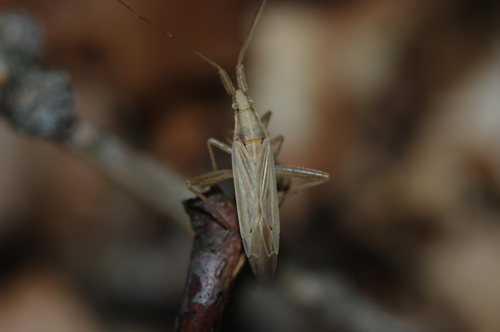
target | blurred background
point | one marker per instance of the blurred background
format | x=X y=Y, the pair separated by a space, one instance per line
x=398 y=100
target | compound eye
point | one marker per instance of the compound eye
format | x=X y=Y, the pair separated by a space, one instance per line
x=250 y=101
x=234 y=106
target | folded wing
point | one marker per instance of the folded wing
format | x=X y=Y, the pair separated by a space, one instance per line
x=257 y=203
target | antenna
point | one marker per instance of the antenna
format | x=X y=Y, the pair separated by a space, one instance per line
x=240 y=73
x=250 y=32
x=228 y=84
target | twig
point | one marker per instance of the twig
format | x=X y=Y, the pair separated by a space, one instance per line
x=157 y=185
x=211 y=271
x=333 y=302
x=40 y=102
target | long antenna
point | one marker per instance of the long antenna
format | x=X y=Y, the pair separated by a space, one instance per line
x=223 y=74
x=250 y=32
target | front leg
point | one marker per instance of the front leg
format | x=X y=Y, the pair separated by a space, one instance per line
x=316 y=177
x=265 y=118
x=209 y=179
x=278 y=139
x=218 y=144
x=228 y=135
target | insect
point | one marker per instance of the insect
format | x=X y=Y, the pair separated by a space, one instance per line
x=253 y=167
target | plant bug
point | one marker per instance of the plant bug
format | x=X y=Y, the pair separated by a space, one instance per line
x=253 y=168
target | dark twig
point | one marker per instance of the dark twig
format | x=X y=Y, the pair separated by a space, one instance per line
x=211 y=271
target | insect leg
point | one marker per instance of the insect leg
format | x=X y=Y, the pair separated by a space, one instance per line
x=218 y=144
x=316 y=177
x=228 y=135
x=265 y=118
x=278 y=139
x=208 y=179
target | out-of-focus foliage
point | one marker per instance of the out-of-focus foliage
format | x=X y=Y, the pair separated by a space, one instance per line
x=397 y=100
